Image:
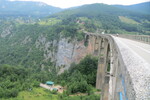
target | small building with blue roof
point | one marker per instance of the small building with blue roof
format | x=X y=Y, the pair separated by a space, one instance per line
x=50 y=83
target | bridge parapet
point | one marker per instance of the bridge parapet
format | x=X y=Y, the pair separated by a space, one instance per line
x=135 y=73
x=126 y=78
x=141 y=38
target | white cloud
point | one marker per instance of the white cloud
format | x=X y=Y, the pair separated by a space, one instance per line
x=71 y=3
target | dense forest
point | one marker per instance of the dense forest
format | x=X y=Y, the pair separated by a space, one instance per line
x=15 y=79
x=80 y=78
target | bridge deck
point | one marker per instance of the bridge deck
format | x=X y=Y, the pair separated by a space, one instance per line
x=136 y=56
x=142 y=49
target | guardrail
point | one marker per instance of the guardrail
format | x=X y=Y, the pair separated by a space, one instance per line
x=141 y=38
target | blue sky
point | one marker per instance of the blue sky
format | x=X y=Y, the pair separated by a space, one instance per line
x=72 y=3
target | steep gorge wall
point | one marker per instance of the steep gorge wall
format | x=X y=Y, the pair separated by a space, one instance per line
x=62 y=51
x=69 y=52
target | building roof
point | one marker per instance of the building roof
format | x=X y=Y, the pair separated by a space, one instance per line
x=49 y=83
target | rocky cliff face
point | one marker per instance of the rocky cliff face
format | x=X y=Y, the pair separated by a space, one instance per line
x=69 y=52
x=65 y=51
x=6 y=31
x=62 y=51
x=49 y=48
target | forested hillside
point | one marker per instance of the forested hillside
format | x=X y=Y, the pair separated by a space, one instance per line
x=107 y=18
x=80 y=78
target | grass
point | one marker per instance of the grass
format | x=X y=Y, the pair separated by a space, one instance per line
x=35 y=94
x=89 y=97
x=127 y=20
x=43 y=94
x=50 y=21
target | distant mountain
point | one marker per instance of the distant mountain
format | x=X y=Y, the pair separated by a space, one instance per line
x=98 y=9
x=91 y=10
x=107 y=17
x=26 y=8
x=142 y=7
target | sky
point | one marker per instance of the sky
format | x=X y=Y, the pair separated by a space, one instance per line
x=72 y=3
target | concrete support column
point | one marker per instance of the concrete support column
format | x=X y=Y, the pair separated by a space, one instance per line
x=105 y=89
x=102 y=64
x=93 y=43
x=98 y=77
x=105 y=85
x=96 y=46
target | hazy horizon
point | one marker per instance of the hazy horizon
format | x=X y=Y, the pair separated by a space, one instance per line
x=68 y=3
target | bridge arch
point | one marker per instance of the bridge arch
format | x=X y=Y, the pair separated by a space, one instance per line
x=128 y=78
x=110 y=79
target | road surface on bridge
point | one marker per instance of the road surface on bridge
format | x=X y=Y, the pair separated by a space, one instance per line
x=141 y=49
x=136 y=57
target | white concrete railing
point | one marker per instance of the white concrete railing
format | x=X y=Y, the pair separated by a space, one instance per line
x=141 y=38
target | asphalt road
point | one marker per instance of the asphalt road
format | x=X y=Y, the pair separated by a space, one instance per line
x=142 y=49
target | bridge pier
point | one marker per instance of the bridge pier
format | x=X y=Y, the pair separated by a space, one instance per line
x=99 y=75
x=96 y=46
x=102 y=81
x=94 y=38
x=105 y=85
x=105 y=88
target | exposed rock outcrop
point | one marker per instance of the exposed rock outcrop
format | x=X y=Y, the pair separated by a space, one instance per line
x=6 y=31
x=69 y=52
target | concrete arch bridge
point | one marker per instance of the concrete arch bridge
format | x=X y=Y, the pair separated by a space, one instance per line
x=123 y=71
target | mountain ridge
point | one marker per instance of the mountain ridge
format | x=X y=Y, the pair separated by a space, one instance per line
x=26 y=8
x=140 y=7
x=40 y=9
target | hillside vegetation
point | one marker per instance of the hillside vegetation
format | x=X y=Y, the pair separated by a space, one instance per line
x=80 y=78
x=127 y=20
x=108 y=19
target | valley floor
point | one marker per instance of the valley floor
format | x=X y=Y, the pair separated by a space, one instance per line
x=43 y=94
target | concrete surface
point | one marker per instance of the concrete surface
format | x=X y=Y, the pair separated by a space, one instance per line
x=136 y=57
